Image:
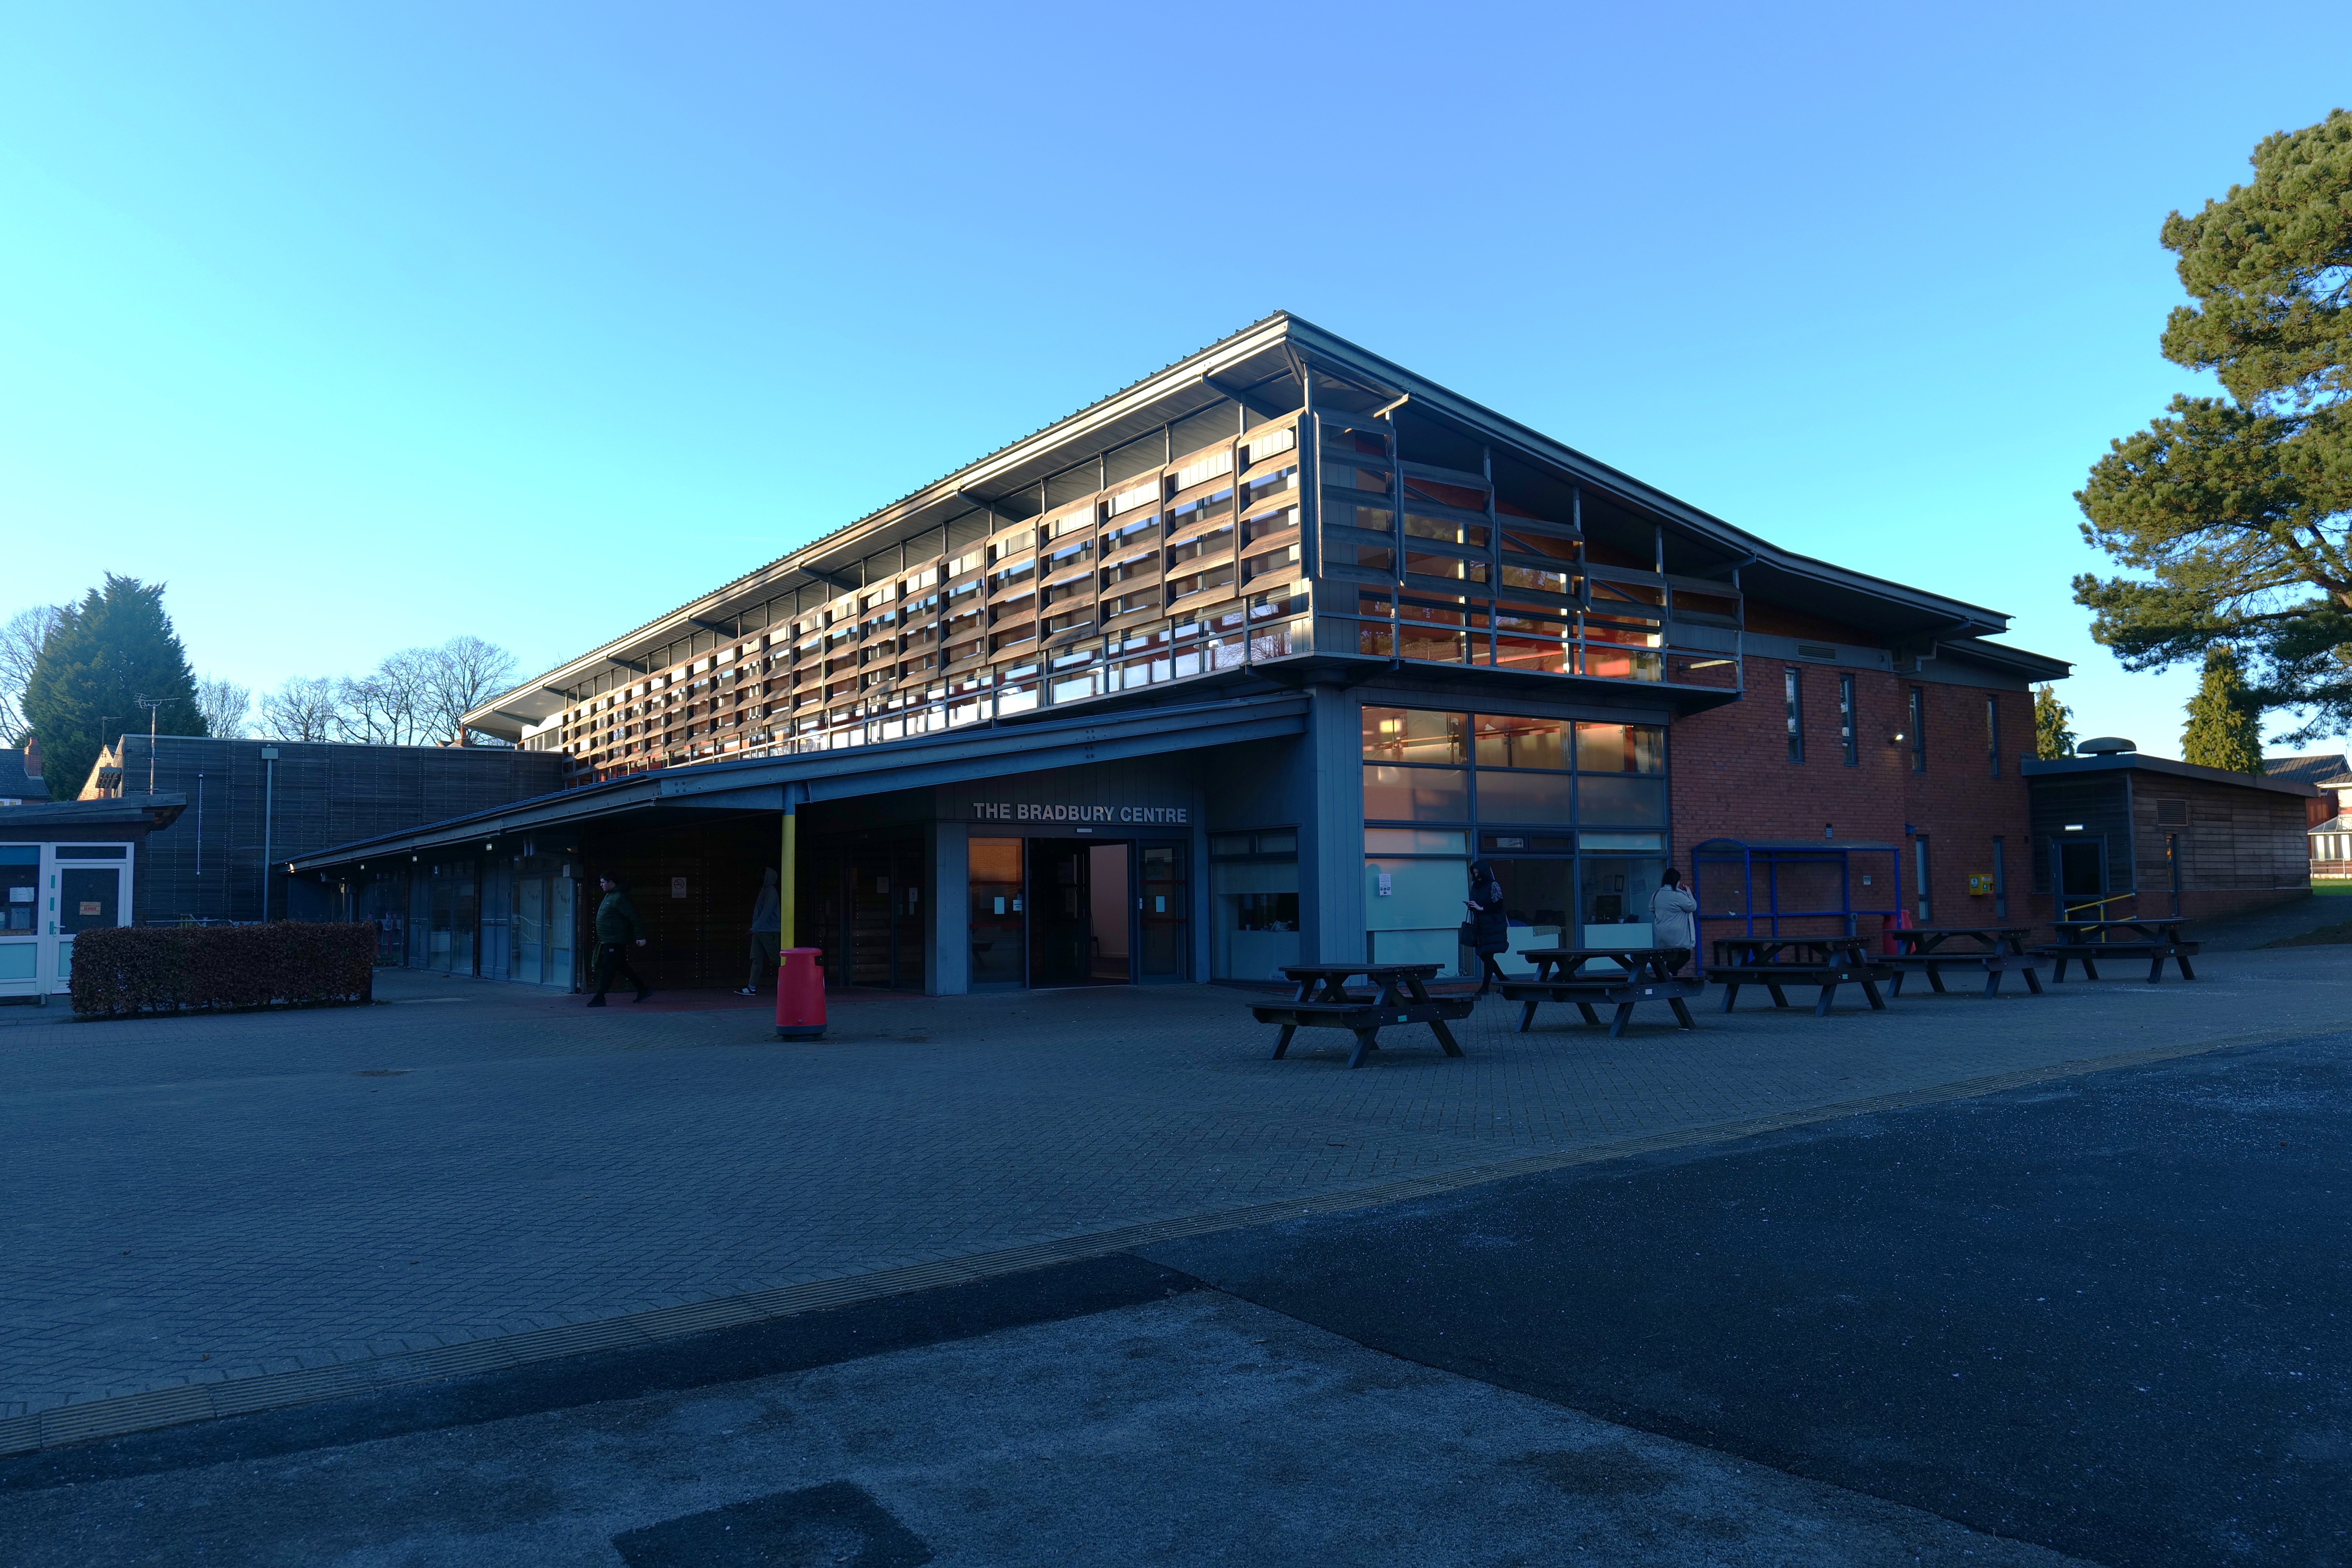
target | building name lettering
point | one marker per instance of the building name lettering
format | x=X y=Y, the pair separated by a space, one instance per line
x=1038 y=811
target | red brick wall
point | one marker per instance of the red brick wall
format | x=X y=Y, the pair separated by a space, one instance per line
x=1732 y=779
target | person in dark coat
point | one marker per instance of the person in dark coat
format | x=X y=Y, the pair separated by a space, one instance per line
x=617 y=926
x=767 y=916
x=1490 y=928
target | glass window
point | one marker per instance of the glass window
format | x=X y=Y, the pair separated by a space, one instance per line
x=1792 y=687
x=998 y=955
x=1254 y=918
x=1413 y=910
x=1918 y=730
x=1505 y=740
x=1452 y=568
x=1414 y=841
x=1283 y=843
x=1992 y=734
x=1613 y=899
x=1415 y=735
x=1845 y=721
x=1621 y=748
x=1504 y=797
x=1444 y=529
x=1592 y=841
x=1537 y=899
x=1230 y=844
x=1636 y=802
x=1378 y=520
x=1407 y=794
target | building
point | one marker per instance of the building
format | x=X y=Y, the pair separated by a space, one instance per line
x=2115 y=831
x=20 y=775
x=1239 y=665
x=252 y=803
x=68 y=866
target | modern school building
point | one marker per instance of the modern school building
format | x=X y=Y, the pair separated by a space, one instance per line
x=1243 y=665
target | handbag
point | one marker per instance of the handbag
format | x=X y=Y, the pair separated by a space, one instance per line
x=1468 y=935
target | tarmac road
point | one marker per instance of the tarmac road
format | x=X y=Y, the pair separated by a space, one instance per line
x=2104 y=1317
x=2111 y=1315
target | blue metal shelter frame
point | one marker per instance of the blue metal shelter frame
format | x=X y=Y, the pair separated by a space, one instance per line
x=1749 y=860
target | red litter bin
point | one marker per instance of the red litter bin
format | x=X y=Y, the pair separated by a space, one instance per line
x=800 y=995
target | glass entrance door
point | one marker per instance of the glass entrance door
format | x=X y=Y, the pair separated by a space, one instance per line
x=20 y=919
x=54 y=892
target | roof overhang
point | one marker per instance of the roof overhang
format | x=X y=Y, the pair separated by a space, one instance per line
x=2127 y=762
x=764 y=784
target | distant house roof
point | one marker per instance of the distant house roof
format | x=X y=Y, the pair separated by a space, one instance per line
x=17 y=782
x=2321 y=770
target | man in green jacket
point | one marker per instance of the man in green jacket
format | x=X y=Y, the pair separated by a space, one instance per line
x=617 y=926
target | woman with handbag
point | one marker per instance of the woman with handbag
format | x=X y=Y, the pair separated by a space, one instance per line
x=1487 y=932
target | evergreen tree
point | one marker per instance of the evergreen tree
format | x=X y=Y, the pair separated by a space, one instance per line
x=2235 y=512
x=2051 y=737
x=104 y=654
x=2224 y=728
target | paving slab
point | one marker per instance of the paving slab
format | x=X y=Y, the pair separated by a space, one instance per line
x=200 y=1203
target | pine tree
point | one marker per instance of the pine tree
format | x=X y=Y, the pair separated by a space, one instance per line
x=2224 y=727
x=2051 y=737
x=105 y=653
x=2232 y=513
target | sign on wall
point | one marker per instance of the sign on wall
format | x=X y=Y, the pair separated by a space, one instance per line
x=1044 y=811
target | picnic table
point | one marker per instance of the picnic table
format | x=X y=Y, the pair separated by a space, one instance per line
x=1774 y=962
x=1996 y=950
x=1643 y=977
x=2086 y=942
x=1400 y=994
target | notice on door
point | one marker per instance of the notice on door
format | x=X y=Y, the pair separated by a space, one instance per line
x=89 y=906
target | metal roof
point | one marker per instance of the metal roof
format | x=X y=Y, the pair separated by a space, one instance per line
x=2319 y=770
x=1273 y=351
x=2119 y=762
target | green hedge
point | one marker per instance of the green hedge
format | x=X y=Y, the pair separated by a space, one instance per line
x=120 y=970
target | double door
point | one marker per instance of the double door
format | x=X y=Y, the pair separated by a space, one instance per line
x=48 y=894
x=1076 y=911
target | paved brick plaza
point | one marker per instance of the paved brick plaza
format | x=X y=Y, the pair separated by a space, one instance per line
x=218 y=1198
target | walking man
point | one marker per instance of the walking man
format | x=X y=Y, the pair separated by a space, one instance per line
x=764 y=916
x=616 y=927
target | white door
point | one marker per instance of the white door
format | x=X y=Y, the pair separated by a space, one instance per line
x=20 y=919
x=83 y=886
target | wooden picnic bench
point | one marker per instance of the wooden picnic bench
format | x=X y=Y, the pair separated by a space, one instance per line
x=1775 y=963
x=1643 y=978
x=1324 y=1002
x=1995 y=949
x=2087 y=942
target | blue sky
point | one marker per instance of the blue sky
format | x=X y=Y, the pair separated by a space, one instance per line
x=364 y=328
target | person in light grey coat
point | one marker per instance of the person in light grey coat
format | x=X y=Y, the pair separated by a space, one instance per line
x=1673 y=920
x=765 y=915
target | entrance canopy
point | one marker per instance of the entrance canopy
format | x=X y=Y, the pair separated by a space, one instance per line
x=1773 y=880
x=764 y=784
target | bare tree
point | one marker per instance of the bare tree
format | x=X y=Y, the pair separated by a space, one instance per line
x=304 y=708
x=20 y=648
x=225 y=705
x=467 y=671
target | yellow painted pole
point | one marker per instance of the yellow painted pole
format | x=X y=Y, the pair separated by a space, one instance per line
x=786 y=880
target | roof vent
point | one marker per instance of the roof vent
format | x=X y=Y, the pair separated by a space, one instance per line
x=2104 y=746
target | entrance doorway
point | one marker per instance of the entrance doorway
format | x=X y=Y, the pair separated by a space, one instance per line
x=1081 y=913
x=51 y=893
x=2082 y=875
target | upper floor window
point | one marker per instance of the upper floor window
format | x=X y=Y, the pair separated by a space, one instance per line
x=1792 y=687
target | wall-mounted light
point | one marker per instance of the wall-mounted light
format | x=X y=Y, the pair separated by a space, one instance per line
x=2073 y=827
x=1895 y=737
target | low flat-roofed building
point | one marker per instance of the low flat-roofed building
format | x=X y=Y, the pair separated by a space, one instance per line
x=2119 y=832
x=1240 y=666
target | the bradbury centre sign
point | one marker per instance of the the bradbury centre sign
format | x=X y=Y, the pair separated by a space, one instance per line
x=1046 y=811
